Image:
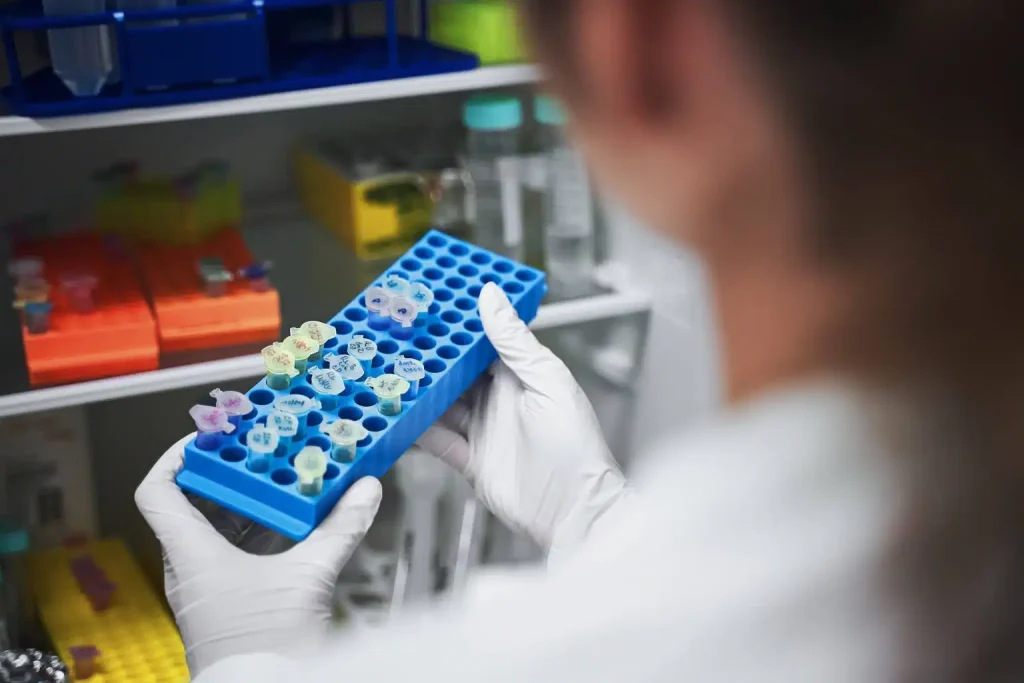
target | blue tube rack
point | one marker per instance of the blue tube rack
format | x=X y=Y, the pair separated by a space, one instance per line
x=449 y=339
x=214 y=52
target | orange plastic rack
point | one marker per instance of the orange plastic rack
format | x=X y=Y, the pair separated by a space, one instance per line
x=117 y=338
x=187 y=319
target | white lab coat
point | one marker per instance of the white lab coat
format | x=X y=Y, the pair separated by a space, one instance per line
x=751 y=550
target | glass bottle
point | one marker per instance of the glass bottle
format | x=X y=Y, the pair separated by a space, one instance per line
x=493 y=144
x=568 y=212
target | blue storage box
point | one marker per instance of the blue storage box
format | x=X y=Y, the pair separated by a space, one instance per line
x=448 y=339
x=239 y=48
x=208 y=52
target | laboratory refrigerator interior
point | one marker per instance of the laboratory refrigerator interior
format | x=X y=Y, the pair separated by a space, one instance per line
x=640 y=342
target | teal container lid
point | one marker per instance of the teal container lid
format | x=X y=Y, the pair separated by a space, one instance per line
x=13 y=538
x=493 y=112
x=548 y=111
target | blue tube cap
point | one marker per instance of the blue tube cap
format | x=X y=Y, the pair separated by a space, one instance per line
x=548 y=111
x=13 y=538
x=493 y=112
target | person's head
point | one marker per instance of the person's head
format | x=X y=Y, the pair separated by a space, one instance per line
x=849 y=170
x=873 y=144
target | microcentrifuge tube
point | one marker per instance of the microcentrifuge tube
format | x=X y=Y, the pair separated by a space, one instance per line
x=346 y=366
x=389 y=390
x=329 y=384
x=211 y=423
x=378 y=302
x=421 y=295
x=395 y=285
x=32 y=290
x=403 y=314
x=287 y=426
x=37 y=315
x=298 y=405
x=311 y=465
x=345 y=435
x=26 y=268
x=280 y=365
x=80 y=290
x=214 y=275
x=257 y=276
x=300 y=346
x=363 y=350
x=262 y=442
x=319 y=332
x=236 y=404
x=412 y=371
x=84 y=661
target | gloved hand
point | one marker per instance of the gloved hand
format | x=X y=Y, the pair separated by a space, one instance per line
x=527 y=438
x=228 y=602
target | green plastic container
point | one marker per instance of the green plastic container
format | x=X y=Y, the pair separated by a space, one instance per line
x=488 y=28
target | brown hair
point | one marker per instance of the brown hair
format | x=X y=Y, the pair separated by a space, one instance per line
x=908 y=116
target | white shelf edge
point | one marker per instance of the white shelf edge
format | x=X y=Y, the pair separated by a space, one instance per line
x=590 y=309
x=486 y=77
x=600 y=307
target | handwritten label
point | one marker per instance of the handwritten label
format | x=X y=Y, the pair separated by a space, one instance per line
x=345 y=365
x=403 y=310
x=211 y=419
x=296 y=404
x=300 y=346
x=317 y=331
x=286 y=424
x=362 y=348
x=377 y=300
x=410 y=369
x=264 y=439
x=235 y=403
x=421 y=295
x=345 y=432
x=327 y=381
x=311 y=462
x=388 y=386
x=278 y=360
x=395 y=285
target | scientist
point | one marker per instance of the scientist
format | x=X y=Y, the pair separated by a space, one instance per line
x=850 y=174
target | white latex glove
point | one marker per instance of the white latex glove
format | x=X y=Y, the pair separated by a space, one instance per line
x=228 y=602
x=529 y=441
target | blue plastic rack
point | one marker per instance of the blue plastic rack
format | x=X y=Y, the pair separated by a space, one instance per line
x=238 y=48
x=449 y=339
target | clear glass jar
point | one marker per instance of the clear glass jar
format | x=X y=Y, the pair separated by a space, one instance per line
x=493 y=144
x=568 y=211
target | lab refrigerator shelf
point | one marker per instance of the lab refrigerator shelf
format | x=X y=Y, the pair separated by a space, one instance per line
x=478 y=79
x=313 y=273
x=117 y=60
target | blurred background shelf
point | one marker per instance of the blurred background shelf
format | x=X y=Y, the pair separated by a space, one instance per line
x=487 y=77
x=75 y=453
x=316 y=276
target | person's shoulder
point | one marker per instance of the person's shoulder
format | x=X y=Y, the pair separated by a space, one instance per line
x=777 y=450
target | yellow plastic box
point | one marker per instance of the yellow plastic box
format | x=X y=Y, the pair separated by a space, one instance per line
x=136 y=639
x=377 y=217
x=161 y=211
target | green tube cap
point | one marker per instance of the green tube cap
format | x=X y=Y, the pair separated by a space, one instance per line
x=493 y=112
x=548 y=111
x=13 y=538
